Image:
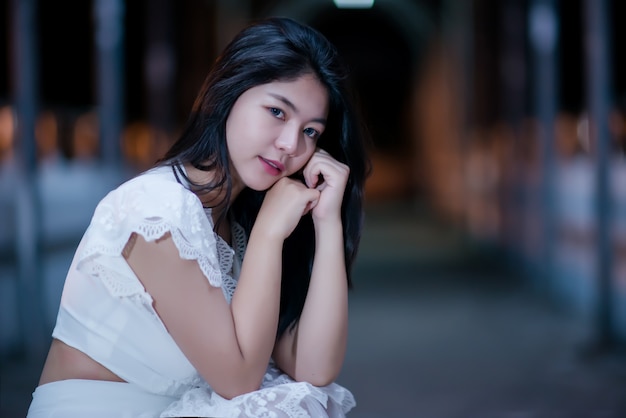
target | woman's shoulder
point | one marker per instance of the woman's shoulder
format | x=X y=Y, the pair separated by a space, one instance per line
x=156 y=193
x=153 y=204
x=160 y=179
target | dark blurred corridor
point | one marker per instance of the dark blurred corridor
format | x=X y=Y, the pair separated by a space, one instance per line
x=444 y=327
x=491 y=280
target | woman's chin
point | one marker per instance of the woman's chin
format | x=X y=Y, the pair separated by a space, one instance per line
x=260 y=185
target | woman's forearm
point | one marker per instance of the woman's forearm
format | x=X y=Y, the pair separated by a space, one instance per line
x=256 y=301
x=317 y=347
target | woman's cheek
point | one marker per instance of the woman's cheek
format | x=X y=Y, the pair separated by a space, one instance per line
x=302 y=163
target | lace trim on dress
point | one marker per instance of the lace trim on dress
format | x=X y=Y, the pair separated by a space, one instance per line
x=150 y=207
x=176 y=387
x=278 y=397
x=240 y=241
x=230 y=264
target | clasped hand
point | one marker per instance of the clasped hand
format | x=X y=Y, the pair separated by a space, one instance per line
x=289 y=199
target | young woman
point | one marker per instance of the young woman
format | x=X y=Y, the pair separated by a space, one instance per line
x=215 y=284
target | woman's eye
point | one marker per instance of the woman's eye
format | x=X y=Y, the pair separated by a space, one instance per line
x=277 y=112
x=312 y=133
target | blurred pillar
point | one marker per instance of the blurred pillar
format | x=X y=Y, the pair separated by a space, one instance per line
x=598 y=98
x=543 y=30
x=458 y=67
x=459 y=32
x=513 y=62
x=27 y=201
x=109 y=23
x=513 y=76
x=160 y=65
x=159 y=71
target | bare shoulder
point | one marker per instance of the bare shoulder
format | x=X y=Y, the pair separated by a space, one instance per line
x=181 y=292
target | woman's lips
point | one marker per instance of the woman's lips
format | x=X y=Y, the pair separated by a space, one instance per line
x=271 y=166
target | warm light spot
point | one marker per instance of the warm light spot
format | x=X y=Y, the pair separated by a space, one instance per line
x=566 y=136
x=47 y=134
x=7 y=130
x=85 y=138
x=583 y=133
x=142 y=144
x=617 y=124
x=136 y=141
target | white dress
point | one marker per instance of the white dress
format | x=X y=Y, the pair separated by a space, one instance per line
x=106 y=313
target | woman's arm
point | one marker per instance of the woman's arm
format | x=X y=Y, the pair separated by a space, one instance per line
x=200 y=320
x=314 y=350
x=229 y=345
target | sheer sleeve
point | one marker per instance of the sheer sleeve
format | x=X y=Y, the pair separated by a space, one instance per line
x=151 y=206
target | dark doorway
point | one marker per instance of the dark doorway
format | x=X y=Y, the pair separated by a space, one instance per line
x=382 y=64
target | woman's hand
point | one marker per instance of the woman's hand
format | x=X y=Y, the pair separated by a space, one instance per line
x=314 y=350
x=283 y=206
x=288 y=199
x=329 y=177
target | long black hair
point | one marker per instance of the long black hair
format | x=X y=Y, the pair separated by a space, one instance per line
x=278 y=49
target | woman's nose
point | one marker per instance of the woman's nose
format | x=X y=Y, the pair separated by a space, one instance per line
x=288 y=140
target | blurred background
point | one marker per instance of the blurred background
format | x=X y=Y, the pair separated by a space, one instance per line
x=492 y=275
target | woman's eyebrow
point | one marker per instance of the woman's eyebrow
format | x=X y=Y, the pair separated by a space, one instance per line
x=293 y=107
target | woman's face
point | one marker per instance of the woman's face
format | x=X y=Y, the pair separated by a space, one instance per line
x=272 y=130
